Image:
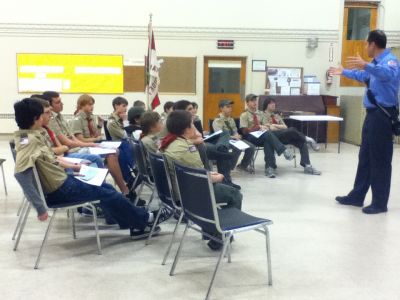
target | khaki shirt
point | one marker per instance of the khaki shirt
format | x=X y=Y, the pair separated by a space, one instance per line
x=59 y=126
x=115 y=126
x=184 y=152
x=247 y=121
x=151 y=142
x=79 y=124
x=47 y=139
x=268 y=118
x=225 y=123
x=31 y=149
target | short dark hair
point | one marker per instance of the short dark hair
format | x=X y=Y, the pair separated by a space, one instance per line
x=168 y=105
x=178 y=121
x=49 y=95
x=148 y=120
x=118 y=101
x=195 y=105
x=135 y=113
x=27 y=111
x=139 y=103
x=378 y=37
x=38 y=96
x=267 y=101
x=44 y=102
x=182 y=104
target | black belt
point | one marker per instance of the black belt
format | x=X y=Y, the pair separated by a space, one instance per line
x=385 y=107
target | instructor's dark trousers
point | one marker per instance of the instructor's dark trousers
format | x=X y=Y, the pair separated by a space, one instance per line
x=375 y=159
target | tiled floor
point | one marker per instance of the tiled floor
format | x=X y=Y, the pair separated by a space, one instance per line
x=320 y=250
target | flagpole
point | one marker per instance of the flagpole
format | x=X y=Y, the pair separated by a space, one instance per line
x=150 y=30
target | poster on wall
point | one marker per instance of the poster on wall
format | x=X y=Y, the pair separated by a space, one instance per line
x=284 y=80
x=70 y=73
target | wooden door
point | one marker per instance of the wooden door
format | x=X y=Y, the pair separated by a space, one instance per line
x=224 y=78
x=358 y=20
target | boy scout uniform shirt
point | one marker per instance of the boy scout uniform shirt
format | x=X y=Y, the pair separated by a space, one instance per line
x=59 y=126
x=79 y=125
x=31 y=149
x=225 y=123
x=185 y=152
x=115 y=126
x=151 y=142
x=270 y=116
x=247 y=119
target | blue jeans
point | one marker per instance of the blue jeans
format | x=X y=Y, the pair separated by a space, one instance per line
x=126 y=160
x=92 y=157
x=114 y=204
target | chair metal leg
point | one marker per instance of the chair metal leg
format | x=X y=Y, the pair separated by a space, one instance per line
x=21 y=205
x=23 y=208
x=151 y=198
x=72 y=215
x=172 y=272
x=226 y=243
x=139 y=192
x=4 y=180
x=96 y=228
x=172 y=239
x=46 y=235
x=154 y=225
x=24 y=215
x=268 y=255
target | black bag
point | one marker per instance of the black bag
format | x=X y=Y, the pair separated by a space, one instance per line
x=394 y=117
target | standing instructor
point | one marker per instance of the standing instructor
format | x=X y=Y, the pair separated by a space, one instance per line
x=381 y=77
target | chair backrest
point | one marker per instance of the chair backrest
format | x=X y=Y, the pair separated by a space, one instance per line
x=160 y=178
x=140 y=158
x=13 y=151
x=210 y=127
x=197 y=197
x=106 y=132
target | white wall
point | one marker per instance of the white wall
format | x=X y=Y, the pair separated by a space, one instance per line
x=262 y=29
x=205 y=13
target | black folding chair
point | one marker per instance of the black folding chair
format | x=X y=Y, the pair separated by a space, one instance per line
x=163 y=191
x=106 y=132
x=55 y=208
x=143 y=170
x=196 y=193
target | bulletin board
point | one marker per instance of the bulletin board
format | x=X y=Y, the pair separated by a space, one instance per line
x=70 y=73
x=285 y=80
x=178 y=75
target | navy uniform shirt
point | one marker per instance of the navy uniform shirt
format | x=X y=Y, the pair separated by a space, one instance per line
x=384 y=79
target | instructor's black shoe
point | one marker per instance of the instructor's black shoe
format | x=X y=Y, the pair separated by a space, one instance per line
x=345 y=200
x=370 y=210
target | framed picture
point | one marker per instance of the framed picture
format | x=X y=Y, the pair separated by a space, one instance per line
x=259 y=65
x=284 y=80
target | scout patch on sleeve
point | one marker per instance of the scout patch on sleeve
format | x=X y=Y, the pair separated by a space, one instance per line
x=23 y=140
x=192 y=148
x=392 y=63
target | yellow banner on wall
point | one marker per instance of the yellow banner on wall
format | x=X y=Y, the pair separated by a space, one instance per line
x=70 y=73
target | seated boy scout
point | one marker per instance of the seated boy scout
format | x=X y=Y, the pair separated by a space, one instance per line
x=63 y=133
x=253 y=120
x=87 y=128
x=115 y=122
x=177 y=146
x=225 y=122
x=290 y=135
x=151 y=126
x=61 y=188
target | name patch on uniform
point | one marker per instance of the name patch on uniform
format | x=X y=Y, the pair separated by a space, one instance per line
x=392 y=63
x=192 y=148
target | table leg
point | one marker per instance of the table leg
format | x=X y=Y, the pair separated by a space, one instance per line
x=339 y=136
